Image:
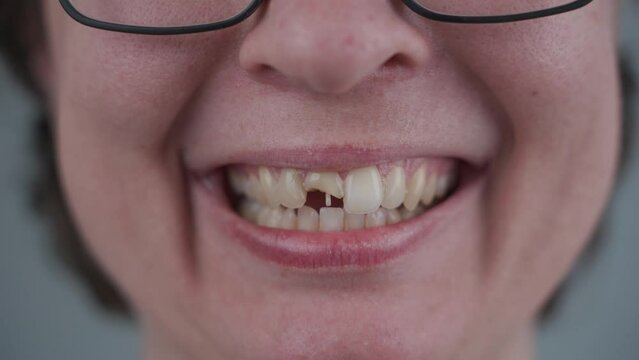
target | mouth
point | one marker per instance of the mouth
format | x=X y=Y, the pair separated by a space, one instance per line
x=334 y=216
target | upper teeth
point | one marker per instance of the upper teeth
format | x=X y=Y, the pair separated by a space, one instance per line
x=364 y=191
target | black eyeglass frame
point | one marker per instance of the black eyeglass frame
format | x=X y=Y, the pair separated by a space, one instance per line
x=255 y=4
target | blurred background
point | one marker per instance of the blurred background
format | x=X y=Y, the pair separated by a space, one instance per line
x=45 y=313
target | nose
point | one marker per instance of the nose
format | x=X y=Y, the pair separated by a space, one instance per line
x=330 y=46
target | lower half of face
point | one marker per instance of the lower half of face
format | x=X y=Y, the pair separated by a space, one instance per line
x=424 y=211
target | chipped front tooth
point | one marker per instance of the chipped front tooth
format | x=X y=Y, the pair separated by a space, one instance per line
x=331 y=219
x=354 y=221
x=375 y=219
x=289 y=219
x=415 y=188
x=430 y=189
x=393 y=217
x=307 y=219
x=394 y=188
x=327 y=182
x=289 y=190
x=267 y=181
x=364 y=191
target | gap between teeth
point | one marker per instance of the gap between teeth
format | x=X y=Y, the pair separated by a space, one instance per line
x=369 y=199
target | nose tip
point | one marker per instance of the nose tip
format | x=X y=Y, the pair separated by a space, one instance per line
x=332 y=46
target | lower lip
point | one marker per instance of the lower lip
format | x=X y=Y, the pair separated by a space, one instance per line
x=353 y=249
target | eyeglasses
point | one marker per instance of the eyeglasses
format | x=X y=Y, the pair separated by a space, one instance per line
x=170 y=17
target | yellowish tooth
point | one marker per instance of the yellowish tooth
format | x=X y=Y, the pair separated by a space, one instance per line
x=268 y=183
x=327 y=200
x=249 y=209
x=254 y=189
x=430 y=189
x=394 y=188
x=263 y=215
x=326 y=182
x=393 y=217
x=331 y=219
x=363 y=191
x=274 y=219
x=415 y=188
x=289 y=219
x=354 y=221
x=378 y=218
x=307 y=219
x=289 y=189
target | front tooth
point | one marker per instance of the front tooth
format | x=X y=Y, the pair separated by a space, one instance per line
x=394 y=188
x=378 y=218
x=267 y=181
x=354 y=221
x=327 y=182
x=331 y=219
x=307 y=219
x=415 y=189
x=363 y=191
x=289 y=219
x=430 y=189
x=393 y=217
x=289 y=190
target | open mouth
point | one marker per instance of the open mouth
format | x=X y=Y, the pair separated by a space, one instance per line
x=322 y=218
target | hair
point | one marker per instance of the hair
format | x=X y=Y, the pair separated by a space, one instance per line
x=18 y=38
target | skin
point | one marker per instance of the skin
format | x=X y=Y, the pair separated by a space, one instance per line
x=537 y=101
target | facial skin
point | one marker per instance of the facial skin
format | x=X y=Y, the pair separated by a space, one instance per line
x=535 y=102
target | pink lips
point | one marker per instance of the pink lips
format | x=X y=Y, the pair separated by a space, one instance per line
x=360 y=248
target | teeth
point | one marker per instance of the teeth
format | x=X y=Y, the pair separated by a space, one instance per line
x=307 y=219
x=331 y=219
x=430 y=189
x=364 y=191
x=378 y=218
x=393 y=217
x=409 y=214
x=443 y=185
x=327 y=182
x=394 y=188
x=289 y=219
x=267 y=182
x=415 y=189
x=354 y=221
x=274 y=218
x=289 y=190
x=254 y=189
x=250 y=210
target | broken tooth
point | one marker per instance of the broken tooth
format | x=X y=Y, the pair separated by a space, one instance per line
x=268 y=184
x=354 y=221
x=289 y=189
x=375 y=219
x=415 y=188
x=307 y=219
x=363 y=191
x=327 y=182
x=331 y=219
x=394 y=188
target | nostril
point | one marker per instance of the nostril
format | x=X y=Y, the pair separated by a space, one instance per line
x=397 y=61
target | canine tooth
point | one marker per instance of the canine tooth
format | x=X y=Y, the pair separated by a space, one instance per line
x=307 y=219
x=394 y=188
x=249 y=209
x=363 y=191
x=331 y=219
x=289 y=189
x=354 y=221
x=378 y=218
x=267 y=181
x=289 y=219
x=274 y=219
x=393 y=217
x=415 y=188
x=326 y=182
x=430 y=189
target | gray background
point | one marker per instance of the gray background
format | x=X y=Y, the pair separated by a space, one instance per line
x=47 y=314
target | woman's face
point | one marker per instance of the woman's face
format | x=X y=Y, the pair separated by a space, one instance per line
x=526 y=115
